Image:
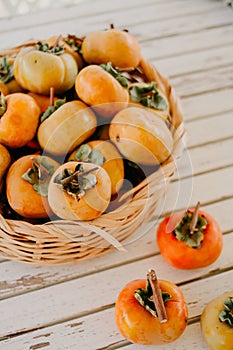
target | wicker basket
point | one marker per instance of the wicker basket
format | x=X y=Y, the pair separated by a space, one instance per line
x=59 y=242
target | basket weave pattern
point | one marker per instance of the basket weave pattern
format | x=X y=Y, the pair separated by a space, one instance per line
x=61 y=241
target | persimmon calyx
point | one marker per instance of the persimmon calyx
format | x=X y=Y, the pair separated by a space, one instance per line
x=51 y=109
x=74 y=42
x=145 y=299
x=55 y=49
x=86 y=154
x=6 y=70
x=76 y=182
x=148 y=95
x=39 y=174
x=193 y=237
x=3 y=105
x=226 y=315
x=113 y=71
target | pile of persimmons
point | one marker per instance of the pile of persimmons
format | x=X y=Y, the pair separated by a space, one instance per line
x=77 y=118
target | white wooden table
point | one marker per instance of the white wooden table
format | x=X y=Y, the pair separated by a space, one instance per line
x=72 y=306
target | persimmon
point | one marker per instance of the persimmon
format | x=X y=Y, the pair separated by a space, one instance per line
x=151 y=311
x=5 y=160
x=99 y=89
x=112 y=45
x=27 y=185
x=105 y=154
x=189 y=240
x=141 y=136
x=19 y=119
x=79 y=191
x=66 y=128
x=3 y=88
x=217 y=322
x=39 y=67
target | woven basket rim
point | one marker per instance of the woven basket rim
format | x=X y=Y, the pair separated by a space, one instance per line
x=62 y=241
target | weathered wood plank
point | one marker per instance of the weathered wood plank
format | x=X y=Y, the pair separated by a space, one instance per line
x=191 y=42
x=206 y=104
x=153 y=29
x=129 y=11
x=210 y=157
x=187 y=192
x=88 y=330
x=198 y=83
x=194 y=62
x=204 y=131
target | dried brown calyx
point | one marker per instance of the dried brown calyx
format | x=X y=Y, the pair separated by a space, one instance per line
x=77 y=182
x=40 y=174
x=191 y=228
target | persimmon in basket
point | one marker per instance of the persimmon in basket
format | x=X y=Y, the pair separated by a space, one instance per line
x=79 y=191
x=19 y=119
x=105 y=154
x=40 y=66
x=113 y=45
x=27 y=185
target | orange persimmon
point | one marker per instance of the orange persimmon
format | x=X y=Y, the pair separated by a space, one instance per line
x=5 y=160
x=112 y=45
x=151 y=311
x=103 y=153
x=79 y=191
x=19 y=119
x=99 y=89
x=26 y=185
x=187 y=247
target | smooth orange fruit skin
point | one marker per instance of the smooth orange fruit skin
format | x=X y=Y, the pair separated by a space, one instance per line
x=20 y=194
x=139 y=326
x=115 y=46
x=141 y=136
x=91 y=205
x=101 y=91
x=19 y=123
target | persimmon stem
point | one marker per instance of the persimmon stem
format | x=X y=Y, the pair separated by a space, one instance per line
x=194 y=219
x=75 y=174
x=157 y=296
x=51 y=96
x=41 y=168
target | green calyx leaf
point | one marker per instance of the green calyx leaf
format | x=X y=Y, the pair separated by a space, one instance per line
x=183 y=233
x=51 y=109
x=2 y=105
x=86 y=154
x=144 y=297
x=40 y=174
x=226 y=315
x=6 y=70
x=76 y=182
x=74 y=42
x=54 y=49
x=113 y=71
x=148 y=95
